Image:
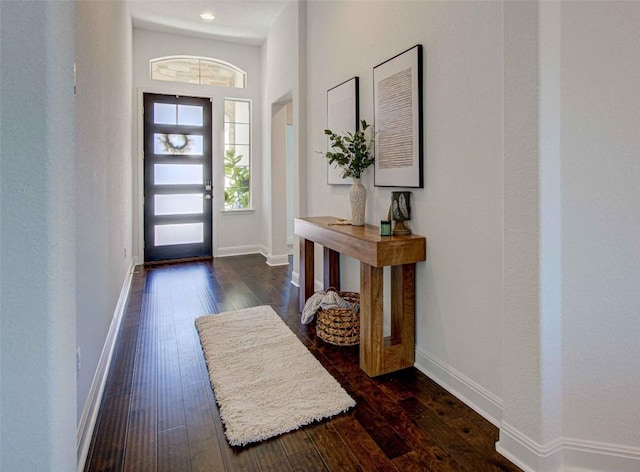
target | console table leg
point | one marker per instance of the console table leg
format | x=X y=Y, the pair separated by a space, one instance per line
x=331 y=269
x=306 y=272
x=403 y=295
x=371 y=320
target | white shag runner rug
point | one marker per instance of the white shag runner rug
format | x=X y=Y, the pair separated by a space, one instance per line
x=265 y=380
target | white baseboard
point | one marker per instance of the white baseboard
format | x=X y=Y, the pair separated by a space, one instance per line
x=277 y=260
x=241 y=250
x=527 y=454
x=582 y=455
x=272 y=260
x=92 y=405
x=295 y=280
x=566 y=454
x=560 y=455
x=475 y=396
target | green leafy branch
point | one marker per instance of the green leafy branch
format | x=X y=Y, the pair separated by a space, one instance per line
x=236 y=192
x=352 y=152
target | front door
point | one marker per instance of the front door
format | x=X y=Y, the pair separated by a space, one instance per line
x=177 y=177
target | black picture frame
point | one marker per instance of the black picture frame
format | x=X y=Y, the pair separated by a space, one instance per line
x=397 y=98
x=343 y=114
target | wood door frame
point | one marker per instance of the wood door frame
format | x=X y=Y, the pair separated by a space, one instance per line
x=138 y=169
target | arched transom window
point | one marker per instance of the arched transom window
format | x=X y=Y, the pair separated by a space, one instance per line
x=197 y=70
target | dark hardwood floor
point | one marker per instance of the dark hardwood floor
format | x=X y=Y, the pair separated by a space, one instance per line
x=159 y=414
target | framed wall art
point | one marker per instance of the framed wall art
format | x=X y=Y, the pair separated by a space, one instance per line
x=397 y=98
x=342 y=115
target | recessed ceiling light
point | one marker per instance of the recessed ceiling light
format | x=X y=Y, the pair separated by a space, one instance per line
x=207 y=16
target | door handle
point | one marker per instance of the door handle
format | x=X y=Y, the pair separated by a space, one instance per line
x=207 y=197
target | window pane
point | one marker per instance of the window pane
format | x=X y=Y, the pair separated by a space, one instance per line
x=194 y=70
x=164 y=114
x=236 y=111
x=235 y=133
x=238 y=200
x=240 y=151
x=189 y=115
x=177 y=174
x=189 y=233
x=176 y=70
x=214 y=73
x=179 y=204
x=176 y=144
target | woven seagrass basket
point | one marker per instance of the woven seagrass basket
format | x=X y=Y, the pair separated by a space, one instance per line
x=340 y=326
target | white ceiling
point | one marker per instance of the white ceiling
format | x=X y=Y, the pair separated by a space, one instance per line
x=240 y=21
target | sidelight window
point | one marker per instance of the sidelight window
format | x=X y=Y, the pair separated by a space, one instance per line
x=237 y=154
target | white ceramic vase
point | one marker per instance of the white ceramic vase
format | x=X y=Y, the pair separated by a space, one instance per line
x=358 y=197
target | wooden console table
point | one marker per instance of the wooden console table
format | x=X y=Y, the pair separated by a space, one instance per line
x=377 y=355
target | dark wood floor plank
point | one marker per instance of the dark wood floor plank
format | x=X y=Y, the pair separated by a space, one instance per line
x=303 y=456
x=430 y=455
x=482 y=435
x=366 y=451
x=140 y=445
x=399 y=385
x=190 y=359
x=446 y=437
x=307 y=461
x=173 y=450
x=107 y=448
x=412 y=462
x=141 y=440
x=437 y=399
x=379 y=429
x=333 y=451
x=119 y=378
x=170 y=398
x=159 y=411
x=297 y=441
x=450 y=410
x=238 y=460
x=203 y=441
x=272 y=457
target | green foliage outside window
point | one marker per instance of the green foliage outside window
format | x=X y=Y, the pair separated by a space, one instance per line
x=236 y=193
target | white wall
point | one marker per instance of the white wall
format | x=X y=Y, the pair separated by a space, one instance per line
x=601 y=222
x=37 y=238
x=233 y=232
x=104 y=201
x=572 y=342
x=532 y=402
x=527 y=306
x=459 y=287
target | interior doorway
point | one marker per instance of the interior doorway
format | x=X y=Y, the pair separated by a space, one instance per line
x=282 y=182
x=290 y=187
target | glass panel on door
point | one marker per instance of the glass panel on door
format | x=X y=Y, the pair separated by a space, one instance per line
x=187 y=233
x=179 y=204
x=178 y=144
x=178 y=174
